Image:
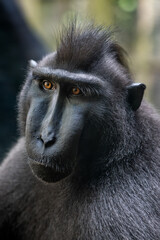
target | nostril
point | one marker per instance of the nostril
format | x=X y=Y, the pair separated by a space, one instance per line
x=40 y=139
x=50 y=142
x=47 y=141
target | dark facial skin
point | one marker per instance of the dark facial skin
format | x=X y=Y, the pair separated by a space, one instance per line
x=56 y=120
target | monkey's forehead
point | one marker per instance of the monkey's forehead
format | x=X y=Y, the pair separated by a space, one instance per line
x=64 y=75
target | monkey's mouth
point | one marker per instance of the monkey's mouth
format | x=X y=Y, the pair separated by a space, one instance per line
x=47 y=173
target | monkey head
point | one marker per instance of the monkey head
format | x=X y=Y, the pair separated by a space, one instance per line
x=71 y=102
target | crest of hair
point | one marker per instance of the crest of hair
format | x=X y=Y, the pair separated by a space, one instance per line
x=82 y=47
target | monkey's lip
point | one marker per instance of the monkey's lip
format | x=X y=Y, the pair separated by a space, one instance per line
x=39 y=163
x=47 y=164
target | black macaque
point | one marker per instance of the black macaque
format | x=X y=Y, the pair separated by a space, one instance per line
x=87 y=164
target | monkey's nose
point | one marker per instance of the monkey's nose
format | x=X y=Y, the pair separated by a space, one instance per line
x=47 y=139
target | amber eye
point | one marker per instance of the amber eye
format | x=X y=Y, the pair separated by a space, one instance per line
x=76 y=91
x=48 y=85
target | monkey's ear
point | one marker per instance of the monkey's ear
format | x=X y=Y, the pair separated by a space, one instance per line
x=135 y=94
x=32 y=63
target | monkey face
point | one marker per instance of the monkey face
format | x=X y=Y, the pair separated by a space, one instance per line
x=68 y=114
x=58 y=118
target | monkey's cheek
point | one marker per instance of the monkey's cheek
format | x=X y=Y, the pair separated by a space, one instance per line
x=45 y=173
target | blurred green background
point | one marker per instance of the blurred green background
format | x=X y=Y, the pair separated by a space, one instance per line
x=28 y=27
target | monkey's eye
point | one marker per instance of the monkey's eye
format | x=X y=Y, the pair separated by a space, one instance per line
x=76 y=91
x=47 y=85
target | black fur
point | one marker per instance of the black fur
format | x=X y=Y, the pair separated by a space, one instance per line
x=102 y=170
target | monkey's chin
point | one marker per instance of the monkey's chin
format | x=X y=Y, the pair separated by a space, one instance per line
x=45 y=173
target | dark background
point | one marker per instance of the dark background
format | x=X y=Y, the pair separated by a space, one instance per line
x=27 y=31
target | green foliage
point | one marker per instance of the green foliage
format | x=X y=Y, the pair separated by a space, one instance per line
x=128 y=5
